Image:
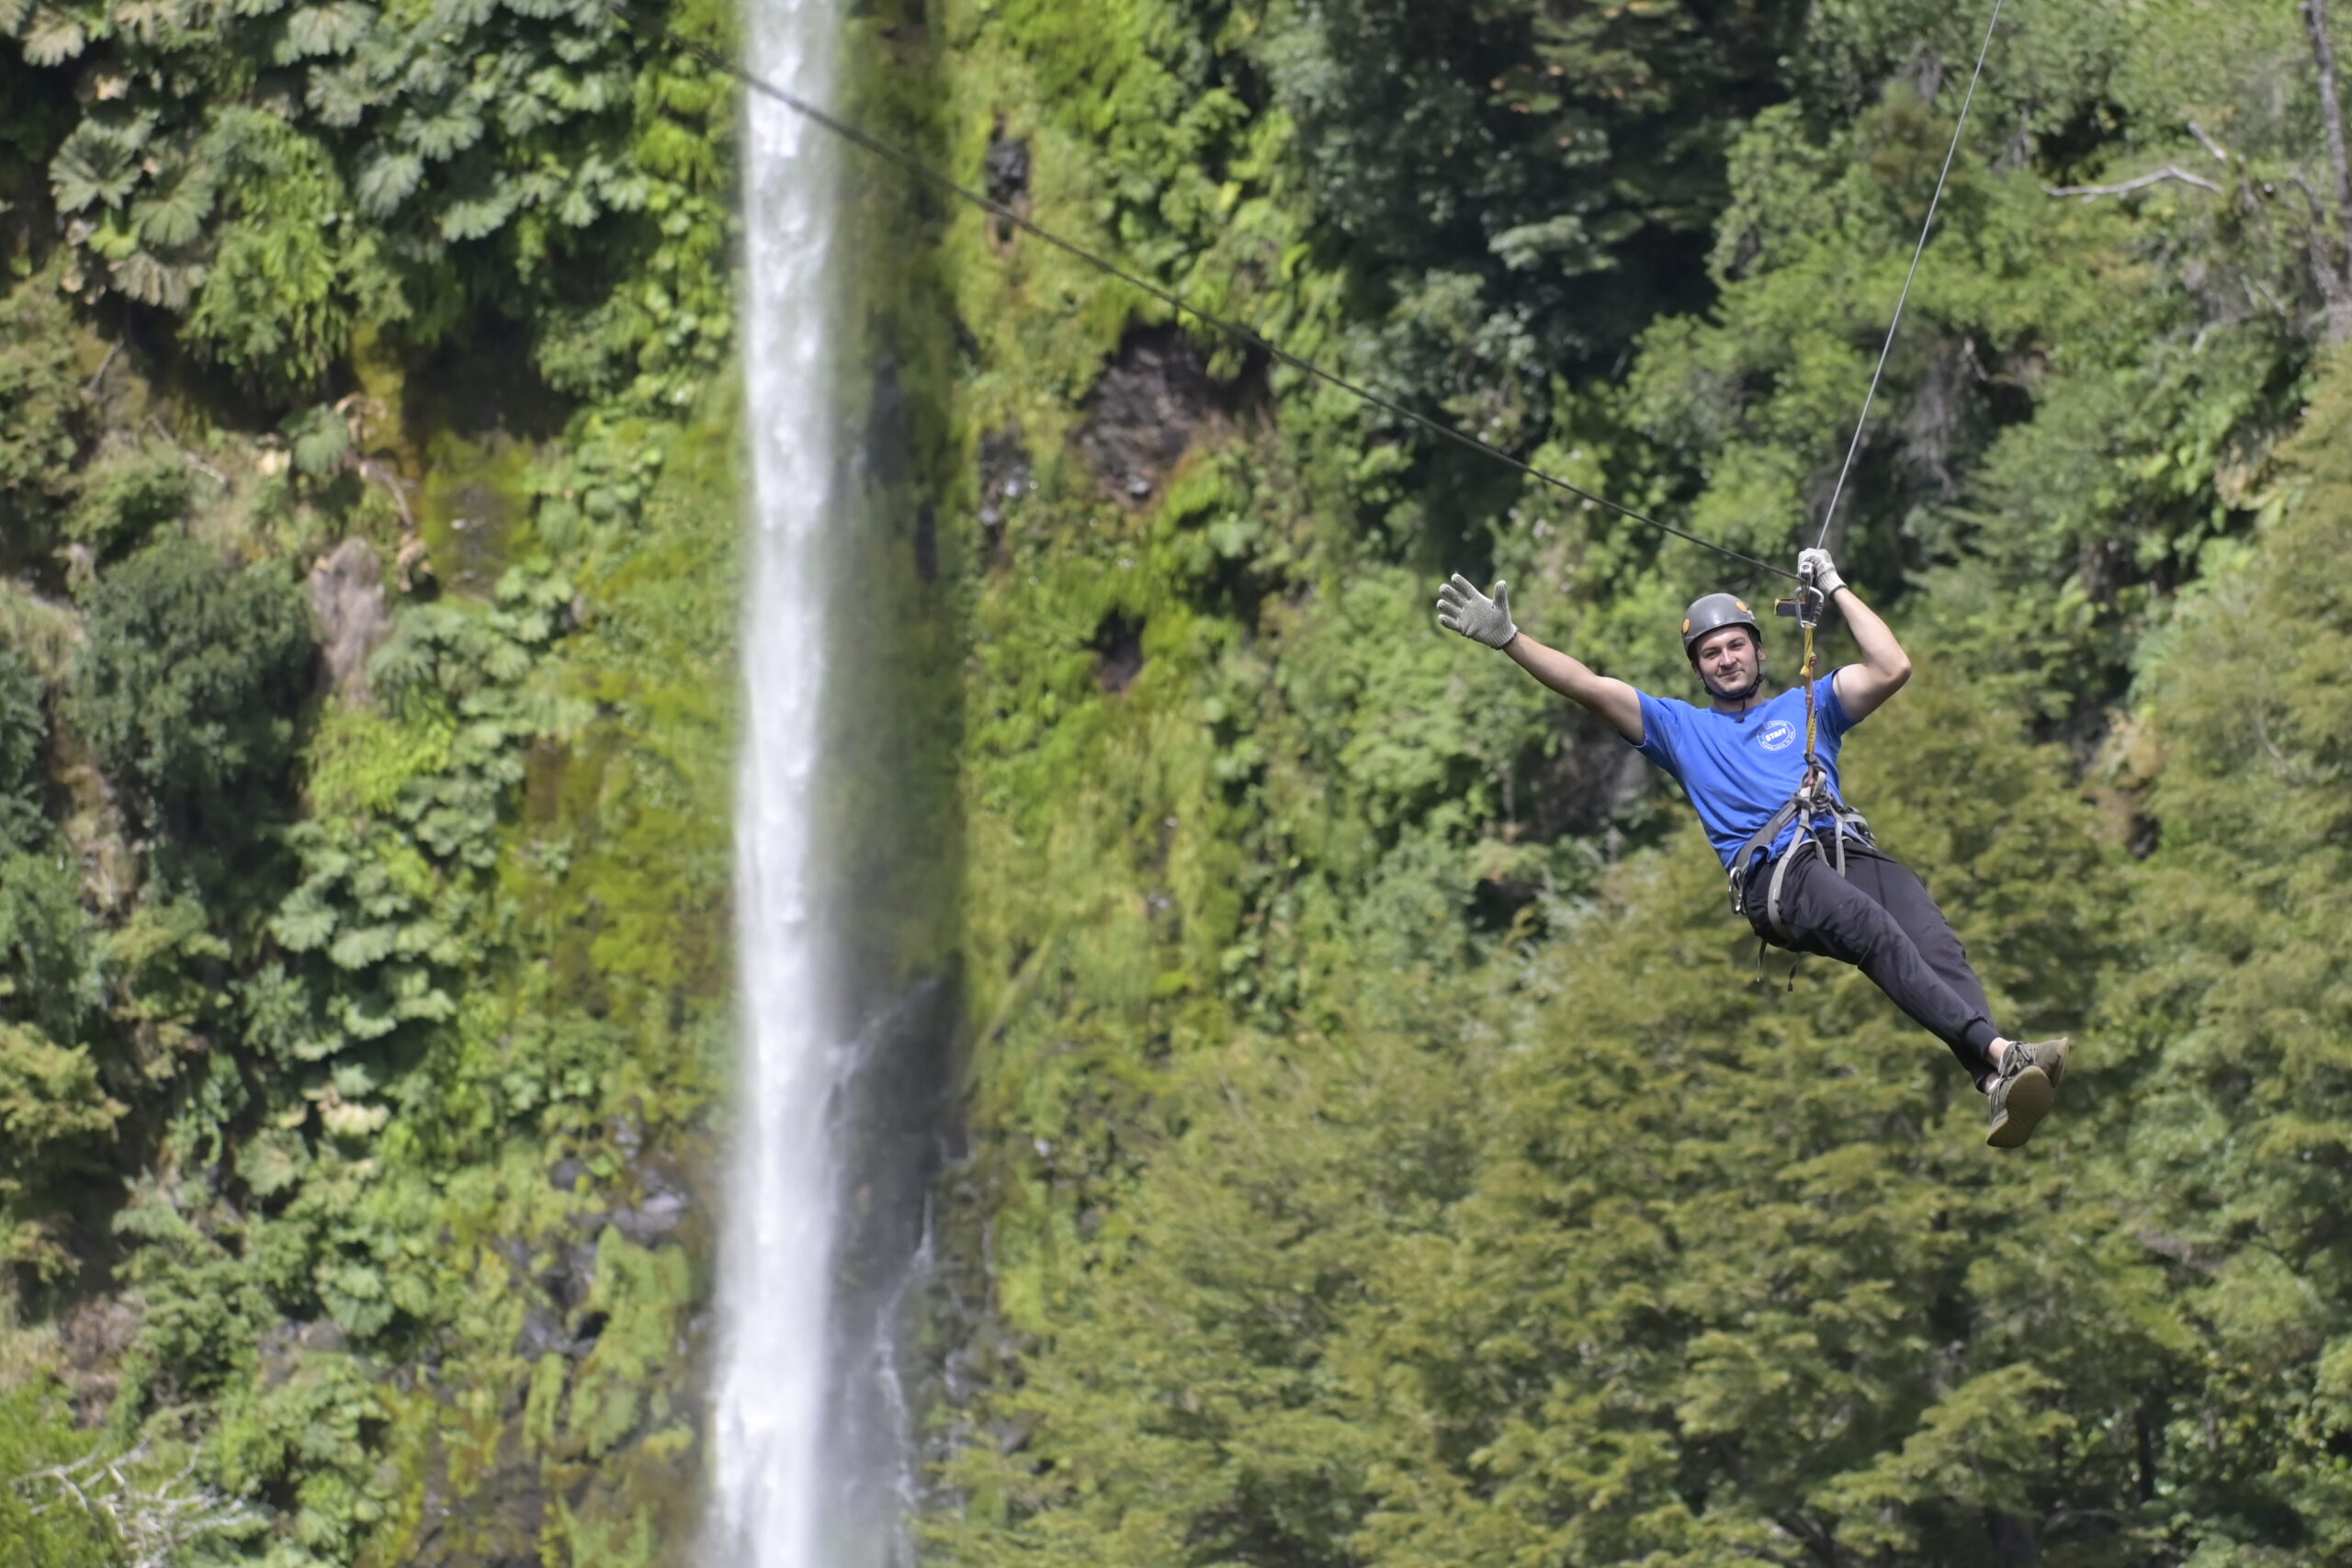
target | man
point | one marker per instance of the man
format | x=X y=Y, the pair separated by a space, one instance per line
x=1815 y=882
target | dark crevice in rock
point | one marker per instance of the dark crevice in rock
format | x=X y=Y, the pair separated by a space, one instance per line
x=1152 y=402
x=889 y=448
x=927 y=543
x=1118 y=651
x=1005 y=171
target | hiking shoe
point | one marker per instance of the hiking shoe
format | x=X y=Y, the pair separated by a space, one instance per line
x=2023 y=1090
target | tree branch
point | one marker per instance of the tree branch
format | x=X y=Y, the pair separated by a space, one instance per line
x=191 y=459
x=2169 y=172
x=2221 y=153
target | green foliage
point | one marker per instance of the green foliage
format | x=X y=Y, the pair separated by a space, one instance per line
x=1366 y=1175
x=1380 y=1155
x=38 y=406
x=43 y=1524
x=24 y=730
x=348 y=168
x=189 y=683
x=125 y=495
x=1597 y=1255
x=2233 y=1030
x=286 y=284
x=50 y=1101
x=53 y=1111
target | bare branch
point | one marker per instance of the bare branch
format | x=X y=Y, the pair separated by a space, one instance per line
x=2169 y=172
x=191 y=459
x=2221 y=153
x=104 y=366
x=378 y=473
x=153 y=1521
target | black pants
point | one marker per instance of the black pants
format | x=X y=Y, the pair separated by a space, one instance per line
x=1879 y=918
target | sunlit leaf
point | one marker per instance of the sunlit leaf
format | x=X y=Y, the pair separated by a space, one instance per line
x=176 y=214
x=319 y=440
x=340 y=93
x=331 y=28
x=449 y=130
x=97 y=165
x=387 y=180
x=152 y=280
x=54 y=37
x=473 y=217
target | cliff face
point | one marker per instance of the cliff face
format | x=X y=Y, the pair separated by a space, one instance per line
x=1375 y=1150
x=370 y=524
x=1381 y=1152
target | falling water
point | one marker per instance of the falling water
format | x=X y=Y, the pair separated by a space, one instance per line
x=777 y=1468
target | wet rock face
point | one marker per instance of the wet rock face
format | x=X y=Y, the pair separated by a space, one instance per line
x=95 y=1336
x=889 y=446
x=1151 y=400
x=347 y=595
x=493 y=1521
x=1006 y=475
x=927 y=543
x=1005 y=171
x=284 y=1346
x=1006 y=165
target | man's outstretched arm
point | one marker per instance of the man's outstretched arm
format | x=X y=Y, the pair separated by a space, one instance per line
x=1462 y=608
x=1863 y=687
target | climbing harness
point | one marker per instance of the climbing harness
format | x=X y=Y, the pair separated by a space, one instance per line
x=1814 y=809
x=1174 y=302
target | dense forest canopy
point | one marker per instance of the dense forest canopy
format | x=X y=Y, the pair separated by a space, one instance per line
x=1378 y=1150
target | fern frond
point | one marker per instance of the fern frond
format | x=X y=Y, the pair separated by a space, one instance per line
x=98 y=164
x=387 y=181
x=54 y=37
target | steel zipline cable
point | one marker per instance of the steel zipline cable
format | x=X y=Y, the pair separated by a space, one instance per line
x=1855 y=446
x=920 y=170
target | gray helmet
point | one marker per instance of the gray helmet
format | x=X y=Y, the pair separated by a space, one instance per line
x=1712 y=614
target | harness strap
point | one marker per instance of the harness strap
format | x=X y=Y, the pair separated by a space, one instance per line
x=1808 y=804
x=1779 y=875
x=1756 y=847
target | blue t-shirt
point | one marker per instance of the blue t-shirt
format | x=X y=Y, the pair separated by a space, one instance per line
x=1739 y=768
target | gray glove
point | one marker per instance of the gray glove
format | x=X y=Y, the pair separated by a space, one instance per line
x=1817 y=568
x=1462 y=608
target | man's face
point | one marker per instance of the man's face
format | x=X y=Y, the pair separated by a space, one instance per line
x=1730 y=664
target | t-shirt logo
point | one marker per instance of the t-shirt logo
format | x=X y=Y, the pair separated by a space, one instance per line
x=1778 y=736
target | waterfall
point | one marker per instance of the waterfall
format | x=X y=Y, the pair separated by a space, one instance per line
x=777 y=1465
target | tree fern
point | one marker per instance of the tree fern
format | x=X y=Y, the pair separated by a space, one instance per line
x=335 y=28
x=152 y=280
x=54 y=37
x=174 y=212
x=387 y=180
x=98 y=164
x=443 y=132
x=320 y=440
x=341 y=94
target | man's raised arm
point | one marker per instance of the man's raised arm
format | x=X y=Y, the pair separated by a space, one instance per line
x=1462 y=608
x=1885 y=667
